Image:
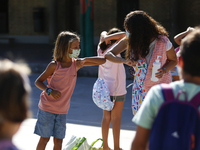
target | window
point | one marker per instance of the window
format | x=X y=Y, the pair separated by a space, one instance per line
x=3 y=16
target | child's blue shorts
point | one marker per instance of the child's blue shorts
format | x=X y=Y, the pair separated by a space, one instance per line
x=49 y=124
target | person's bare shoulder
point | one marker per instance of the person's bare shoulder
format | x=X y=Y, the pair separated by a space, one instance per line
x=51 y=66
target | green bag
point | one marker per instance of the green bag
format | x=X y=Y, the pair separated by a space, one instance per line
x=100 y=148
x=78 y=143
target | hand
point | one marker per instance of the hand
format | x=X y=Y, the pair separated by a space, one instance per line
x=55 y=94
x=80 y=62
x=130 y=62
x=160 y=73
x=190 y=29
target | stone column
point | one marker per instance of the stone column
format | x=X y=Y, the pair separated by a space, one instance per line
x=87 y=37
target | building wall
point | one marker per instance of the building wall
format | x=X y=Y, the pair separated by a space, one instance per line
x=105 y=15
x=159 y=10
x=61 y=19
x=189 y=14
x=174 y=15
x=21 y=20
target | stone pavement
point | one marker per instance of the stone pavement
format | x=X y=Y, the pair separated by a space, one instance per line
x=84 y=117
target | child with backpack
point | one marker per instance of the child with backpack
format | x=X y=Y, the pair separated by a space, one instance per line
x=169 y=117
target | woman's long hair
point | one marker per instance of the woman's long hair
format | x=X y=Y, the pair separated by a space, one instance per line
x=142 y=29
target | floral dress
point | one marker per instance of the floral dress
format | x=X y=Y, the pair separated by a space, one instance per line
x=138 y=92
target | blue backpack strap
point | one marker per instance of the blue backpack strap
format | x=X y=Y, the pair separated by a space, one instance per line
x=167 y=92
x=196 y=100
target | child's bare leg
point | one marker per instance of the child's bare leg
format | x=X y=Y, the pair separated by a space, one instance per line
x=42 y=143
x=105 y=128
x=116 y=123
x=57 y=143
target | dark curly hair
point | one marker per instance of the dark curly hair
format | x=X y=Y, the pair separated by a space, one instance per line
x=190 y=52
x=142 y=29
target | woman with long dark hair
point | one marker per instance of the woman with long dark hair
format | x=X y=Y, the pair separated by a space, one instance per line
x=146 y=40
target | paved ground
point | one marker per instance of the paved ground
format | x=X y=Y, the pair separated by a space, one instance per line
x=26 y=140
x=84 y=117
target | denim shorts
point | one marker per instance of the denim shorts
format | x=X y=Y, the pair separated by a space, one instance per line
x=50 y=124
x=118 y=98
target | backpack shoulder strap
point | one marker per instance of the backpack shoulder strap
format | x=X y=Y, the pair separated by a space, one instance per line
x=167 y=92
x=196 y=100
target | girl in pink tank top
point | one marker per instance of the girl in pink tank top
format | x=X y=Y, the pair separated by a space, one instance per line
x=141 y=31
x=61 y=74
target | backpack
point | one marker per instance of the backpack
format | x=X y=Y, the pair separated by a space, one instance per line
x=101 y=95
x=177 y=124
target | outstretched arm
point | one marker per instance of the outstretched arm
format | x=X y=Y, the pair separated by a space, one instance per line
x=95 y=60
x=90 y=61
x=120 y=47
x=117 y=49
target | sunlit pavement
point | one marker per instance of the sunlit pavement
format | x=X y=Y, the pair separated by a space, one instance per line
x=26 y=140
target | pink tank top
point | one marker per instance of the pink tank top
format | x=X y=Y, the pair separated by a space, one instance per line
x=160 y=49
x=63 y=80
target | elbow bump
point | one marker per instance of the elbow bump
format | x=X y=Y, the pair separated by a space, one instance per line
x=106 y=56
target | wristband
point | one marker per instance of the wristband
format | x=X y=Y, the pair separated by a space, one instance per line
x=165 y=70
x=48 y=90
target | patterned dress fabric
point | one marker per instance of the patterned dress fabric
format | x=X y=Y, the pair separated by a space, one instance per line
x=138 y=92
x=101 y=95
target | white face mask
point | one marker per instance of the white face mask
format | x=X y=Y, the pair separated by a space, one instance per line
x=127 y=33
x=75 y=53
